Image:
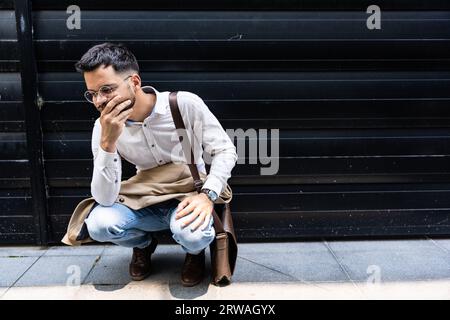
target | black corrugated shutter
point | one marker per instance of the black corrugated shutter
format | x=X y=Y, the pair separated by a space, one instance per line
x=363 y=114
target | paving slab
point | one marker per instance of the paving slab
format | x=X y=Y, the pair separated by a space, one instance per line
x=151 y=291
x=167 y=262
x=282 y=247
x=41 y=293
x=83 y=250
x=2 y=291
x=443 y=243
x=249 y=271
x=58 y=270
x=392 y=260
x=308 y=267
x=13 y=268
x=238 y=291
x=114 y=250
x=290 y=291
x=378 y=269
x=89 y=292
x=310 y=262
x=141 y=291
x=110 y=270
x=22 y=251
x=113 y=266
x=423 y=290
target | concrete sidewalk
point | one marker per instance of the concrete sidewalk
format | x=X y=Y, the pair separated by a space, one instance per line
x=381 y=269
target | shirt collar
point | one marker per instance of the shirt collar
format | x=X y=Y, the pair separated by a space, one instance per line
x=161 y=103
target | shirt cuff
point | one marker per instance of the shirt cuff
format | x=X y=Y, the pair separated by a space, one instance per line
x=213 y=184
x=107 y=159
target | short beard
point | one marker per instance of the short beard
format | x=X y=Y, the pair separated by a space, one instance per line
x=133 y=98
x=133 y=101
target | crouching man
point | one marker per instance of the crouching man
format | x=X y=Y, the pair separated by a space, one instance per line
x=136 y=124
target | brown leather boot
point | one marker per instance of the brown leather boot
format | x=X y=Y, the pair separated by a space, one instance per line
x=193 y=269
x=140 y=265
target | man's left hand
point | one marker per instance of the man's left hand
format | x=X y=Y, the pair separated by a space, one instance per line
x=198 y=207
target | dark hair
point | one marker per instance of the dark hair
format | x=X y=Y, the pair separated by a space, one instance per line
x=108 y=54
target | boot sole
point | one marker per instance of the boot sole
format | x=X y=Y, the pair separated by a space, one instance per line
x=140 y=278
x=190 y=284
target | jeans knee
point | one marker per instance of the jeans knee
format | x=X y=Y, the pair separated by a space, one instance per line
x=103 y=225
x=196 y=240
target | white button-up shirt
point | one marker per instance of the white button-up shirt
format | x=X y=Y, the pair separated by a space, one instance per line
x=155 y=142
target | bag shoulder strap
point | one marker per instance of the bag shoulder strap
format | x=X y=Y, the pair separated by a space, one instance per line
x=186 y=146
x=187 y=150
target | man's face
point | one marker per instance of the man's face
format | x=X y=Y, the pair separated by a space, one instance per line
x=108 y=78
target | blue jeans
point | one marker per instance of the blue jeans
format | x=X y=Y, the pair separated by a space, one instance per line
x=133 y=228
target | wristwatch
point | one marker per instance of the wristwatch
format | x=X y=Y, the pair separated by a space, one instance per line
x=212 y=195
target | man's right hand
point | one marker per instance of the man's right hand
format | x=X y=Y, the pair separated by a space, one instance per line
x=112 y=121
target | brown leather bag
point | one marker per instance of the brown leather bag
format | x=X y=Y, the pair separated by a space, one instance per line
x=224 y=247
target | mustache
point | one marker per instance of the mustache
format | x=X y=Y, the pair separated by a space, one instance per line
x=102 y=106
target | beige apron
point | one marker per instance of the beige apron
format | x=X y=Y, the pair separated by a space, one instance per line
x=147 y=187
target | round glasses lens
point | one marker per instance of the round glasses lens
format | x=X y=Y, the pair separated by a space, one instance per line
x=89 y=96
x=106 y=90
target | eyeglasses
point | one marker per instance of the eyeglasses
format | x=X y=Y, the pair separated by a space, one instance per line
x=104 y=91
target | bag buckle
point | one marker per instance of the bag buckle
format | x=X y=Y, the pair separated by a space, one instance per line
x=198 y=184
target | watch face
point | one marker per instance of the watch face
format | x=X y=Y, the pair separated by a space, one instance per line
x=212 y=195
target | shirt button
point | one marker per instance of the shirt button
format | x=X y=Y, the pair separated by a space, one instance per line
x=145 y=125
x=153 y=145
x=115 y=181
x=160 y=161
x=121 y=199
x=115 y=159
